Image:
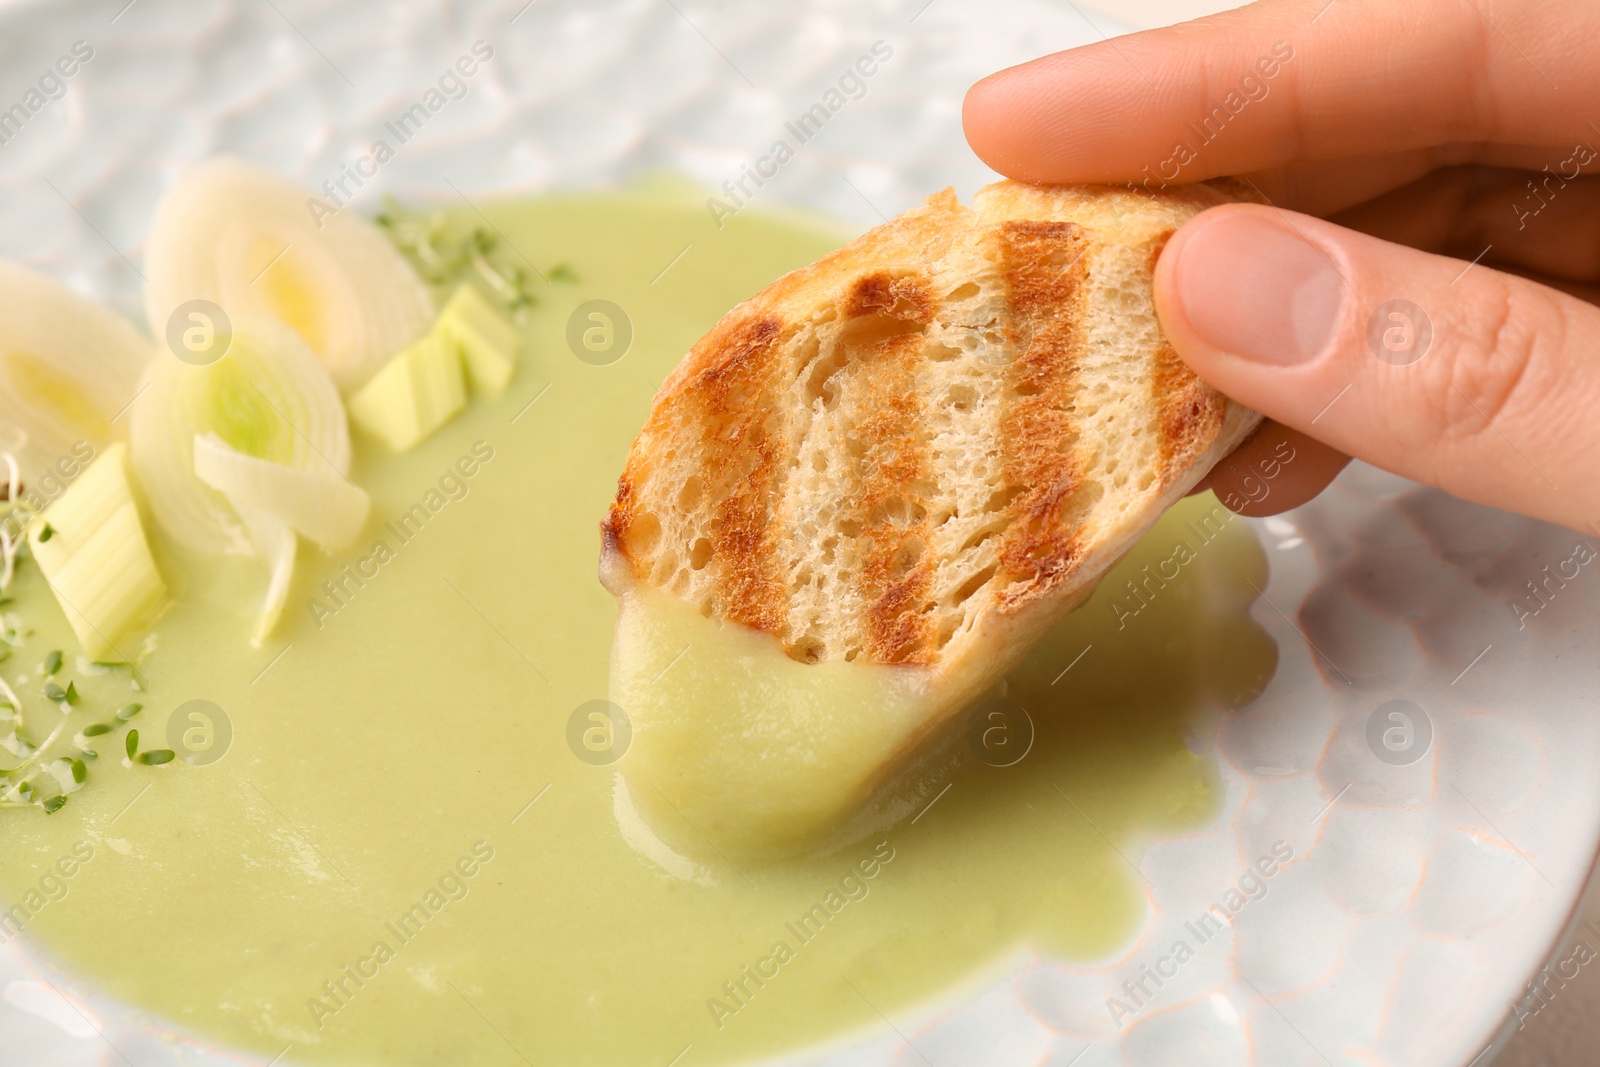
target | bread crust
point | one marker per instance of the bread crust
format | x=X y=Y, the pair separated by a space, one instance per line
x=927 y=446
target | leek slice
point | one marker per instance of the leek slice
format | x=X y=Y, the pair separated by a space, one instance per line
x=96 y=559
x=415 y=393
x=238 y=454
x=255 y=243
x=276 y=545
x=489 y=344
x=268 y=398
x=318 y=503
x=68 y=369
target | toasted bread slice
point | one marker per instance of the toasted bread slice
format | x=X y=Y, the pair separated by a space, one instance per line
x=900 y=466
x=926 y=447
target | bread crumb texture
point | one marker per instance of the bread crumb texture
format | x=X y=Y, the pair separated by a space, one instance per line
x=964 y=415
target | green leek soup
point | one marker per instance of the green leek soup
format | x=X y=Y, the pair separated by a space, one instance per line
x=400 y=859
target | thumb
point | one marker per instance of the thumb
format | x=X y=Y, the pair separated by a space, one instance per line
x=1478 y=382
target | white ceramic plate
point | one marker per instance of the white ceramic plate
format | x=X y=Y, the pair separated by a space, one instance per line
x=1426 y=891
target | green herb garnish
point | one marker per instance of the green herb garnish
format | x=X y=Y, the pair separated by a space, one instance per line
x=447 y=254
x=46 y=533
x=20 y=784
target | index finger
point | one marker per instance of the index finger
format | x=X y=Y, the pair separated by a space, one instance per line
x=1292 y=80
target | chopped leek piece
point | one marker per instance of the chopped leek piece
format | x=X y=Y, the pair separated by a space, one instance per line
x=415 y=393
x=489 y=344
x=317 y=502
x=98 y=562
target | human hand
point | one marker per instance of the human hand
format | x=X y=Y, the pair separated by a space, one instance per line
x=1458 y=130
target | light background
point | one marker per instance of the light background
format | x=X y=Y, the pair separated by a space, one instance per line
x=1566 y=1034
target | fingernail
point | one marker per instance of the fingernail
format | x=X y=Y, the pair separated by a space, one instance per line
x=1257 y=289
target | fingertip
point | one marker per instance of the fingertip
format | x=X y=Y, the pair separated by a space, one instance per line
x=979 y=95
x=1242 y=281
x=1164 y=284
x=977 y=123
x=994 y=117
x=1276 y=469
x=1045 y=121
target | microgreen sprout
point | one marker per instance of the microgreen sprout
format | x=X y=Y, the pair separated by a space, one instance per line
x=43 y=776
x=446 y=255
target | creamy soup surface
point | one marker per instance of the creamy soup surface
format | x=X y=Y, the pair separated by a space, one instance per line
x=400 y=859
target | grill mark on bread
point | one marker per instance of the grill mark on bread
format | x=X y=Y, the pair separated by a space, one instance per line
x=886 y=315
x=906 y=297
x=722 y=389
x=1191 y=412
x=953 y=346
x=739 y=464
x=1045 y=267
